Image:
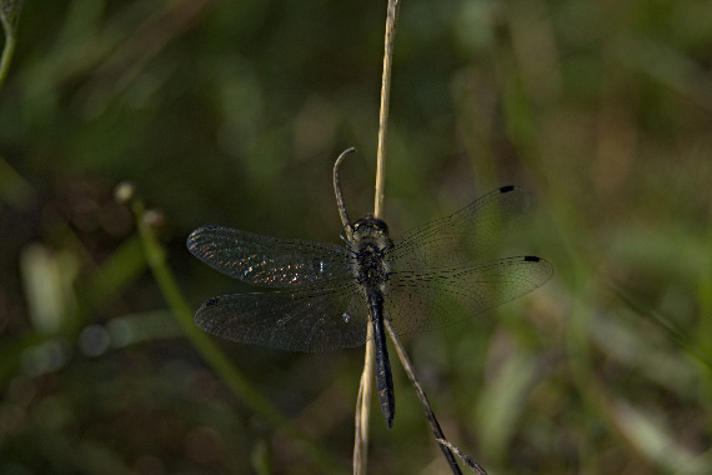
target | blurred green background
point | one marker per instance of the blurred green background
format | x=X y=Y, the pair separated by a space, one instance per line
x=232 y=112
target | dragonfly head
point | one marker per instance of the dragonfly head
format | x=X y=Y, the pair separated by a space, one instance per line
x=371 y=229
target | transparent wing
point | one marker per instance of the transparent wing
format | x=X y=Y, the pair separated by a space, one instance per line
x=267 y=261
x=421 y=300
x=468 y=232
x=308 y=319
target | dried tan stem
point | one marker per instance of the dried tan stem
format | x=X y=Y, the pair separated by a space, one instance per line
x=363 y=401
x=391 y=17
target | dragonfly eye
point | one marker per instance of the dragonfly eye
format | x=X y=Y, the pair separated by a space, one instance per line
x=373 y=224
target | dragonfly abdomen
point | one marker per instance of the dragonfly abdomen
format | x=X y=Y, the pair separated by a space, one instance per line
x=384 y=378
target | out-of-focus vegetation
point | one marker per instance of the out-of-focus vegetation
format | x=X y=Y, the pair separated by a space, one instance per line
x=233 y=112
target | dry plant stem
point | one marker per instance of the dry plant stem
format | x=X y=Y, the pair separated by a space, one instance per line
x=391 y=16
x=361 y=421
x=469 y=461
x=429 y=414
x=363 y=401
x=365 y=387
x=358 y=457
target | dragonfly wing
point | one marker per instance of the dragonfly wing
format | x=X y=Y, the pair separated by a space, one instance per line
x=470 y=231
x=268 y=261
x=421 y=300
x=308 y=319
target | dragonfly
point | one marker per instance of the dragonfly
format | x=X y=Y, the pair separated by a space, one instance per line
x=320 y=297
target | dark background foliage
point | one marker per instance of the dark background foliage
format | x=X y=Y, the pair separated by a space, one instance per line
x=233 y=112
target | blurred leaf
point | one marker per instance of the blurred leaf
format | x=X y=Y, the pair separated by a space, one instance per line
x=657 y=442
x=670 y=370
x=49 y=279
x=9 y=16
x=260 y=458
x=668 y=66
x=674 y=331
x=117 y=271
x=670 y=251
x=14 y=189
x=502 y=403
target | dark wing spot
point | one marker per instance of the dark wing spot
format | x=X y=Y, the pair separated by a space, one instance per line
x=506 y=189
x=531 y=259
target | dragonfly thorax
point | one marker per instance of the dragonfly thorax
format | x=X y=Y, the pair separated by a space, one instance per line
x=369 y=242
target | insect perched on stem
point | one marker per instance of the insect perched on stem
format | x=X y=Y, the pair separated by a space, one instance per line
x=322 y=296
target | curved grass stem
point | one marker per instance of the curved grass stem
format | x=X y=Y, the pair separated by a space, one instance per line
x=155 y=256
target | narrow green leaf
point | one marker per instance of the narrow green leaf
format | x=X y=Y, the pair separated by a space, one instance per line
x=9 y=16
x=676 y=332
